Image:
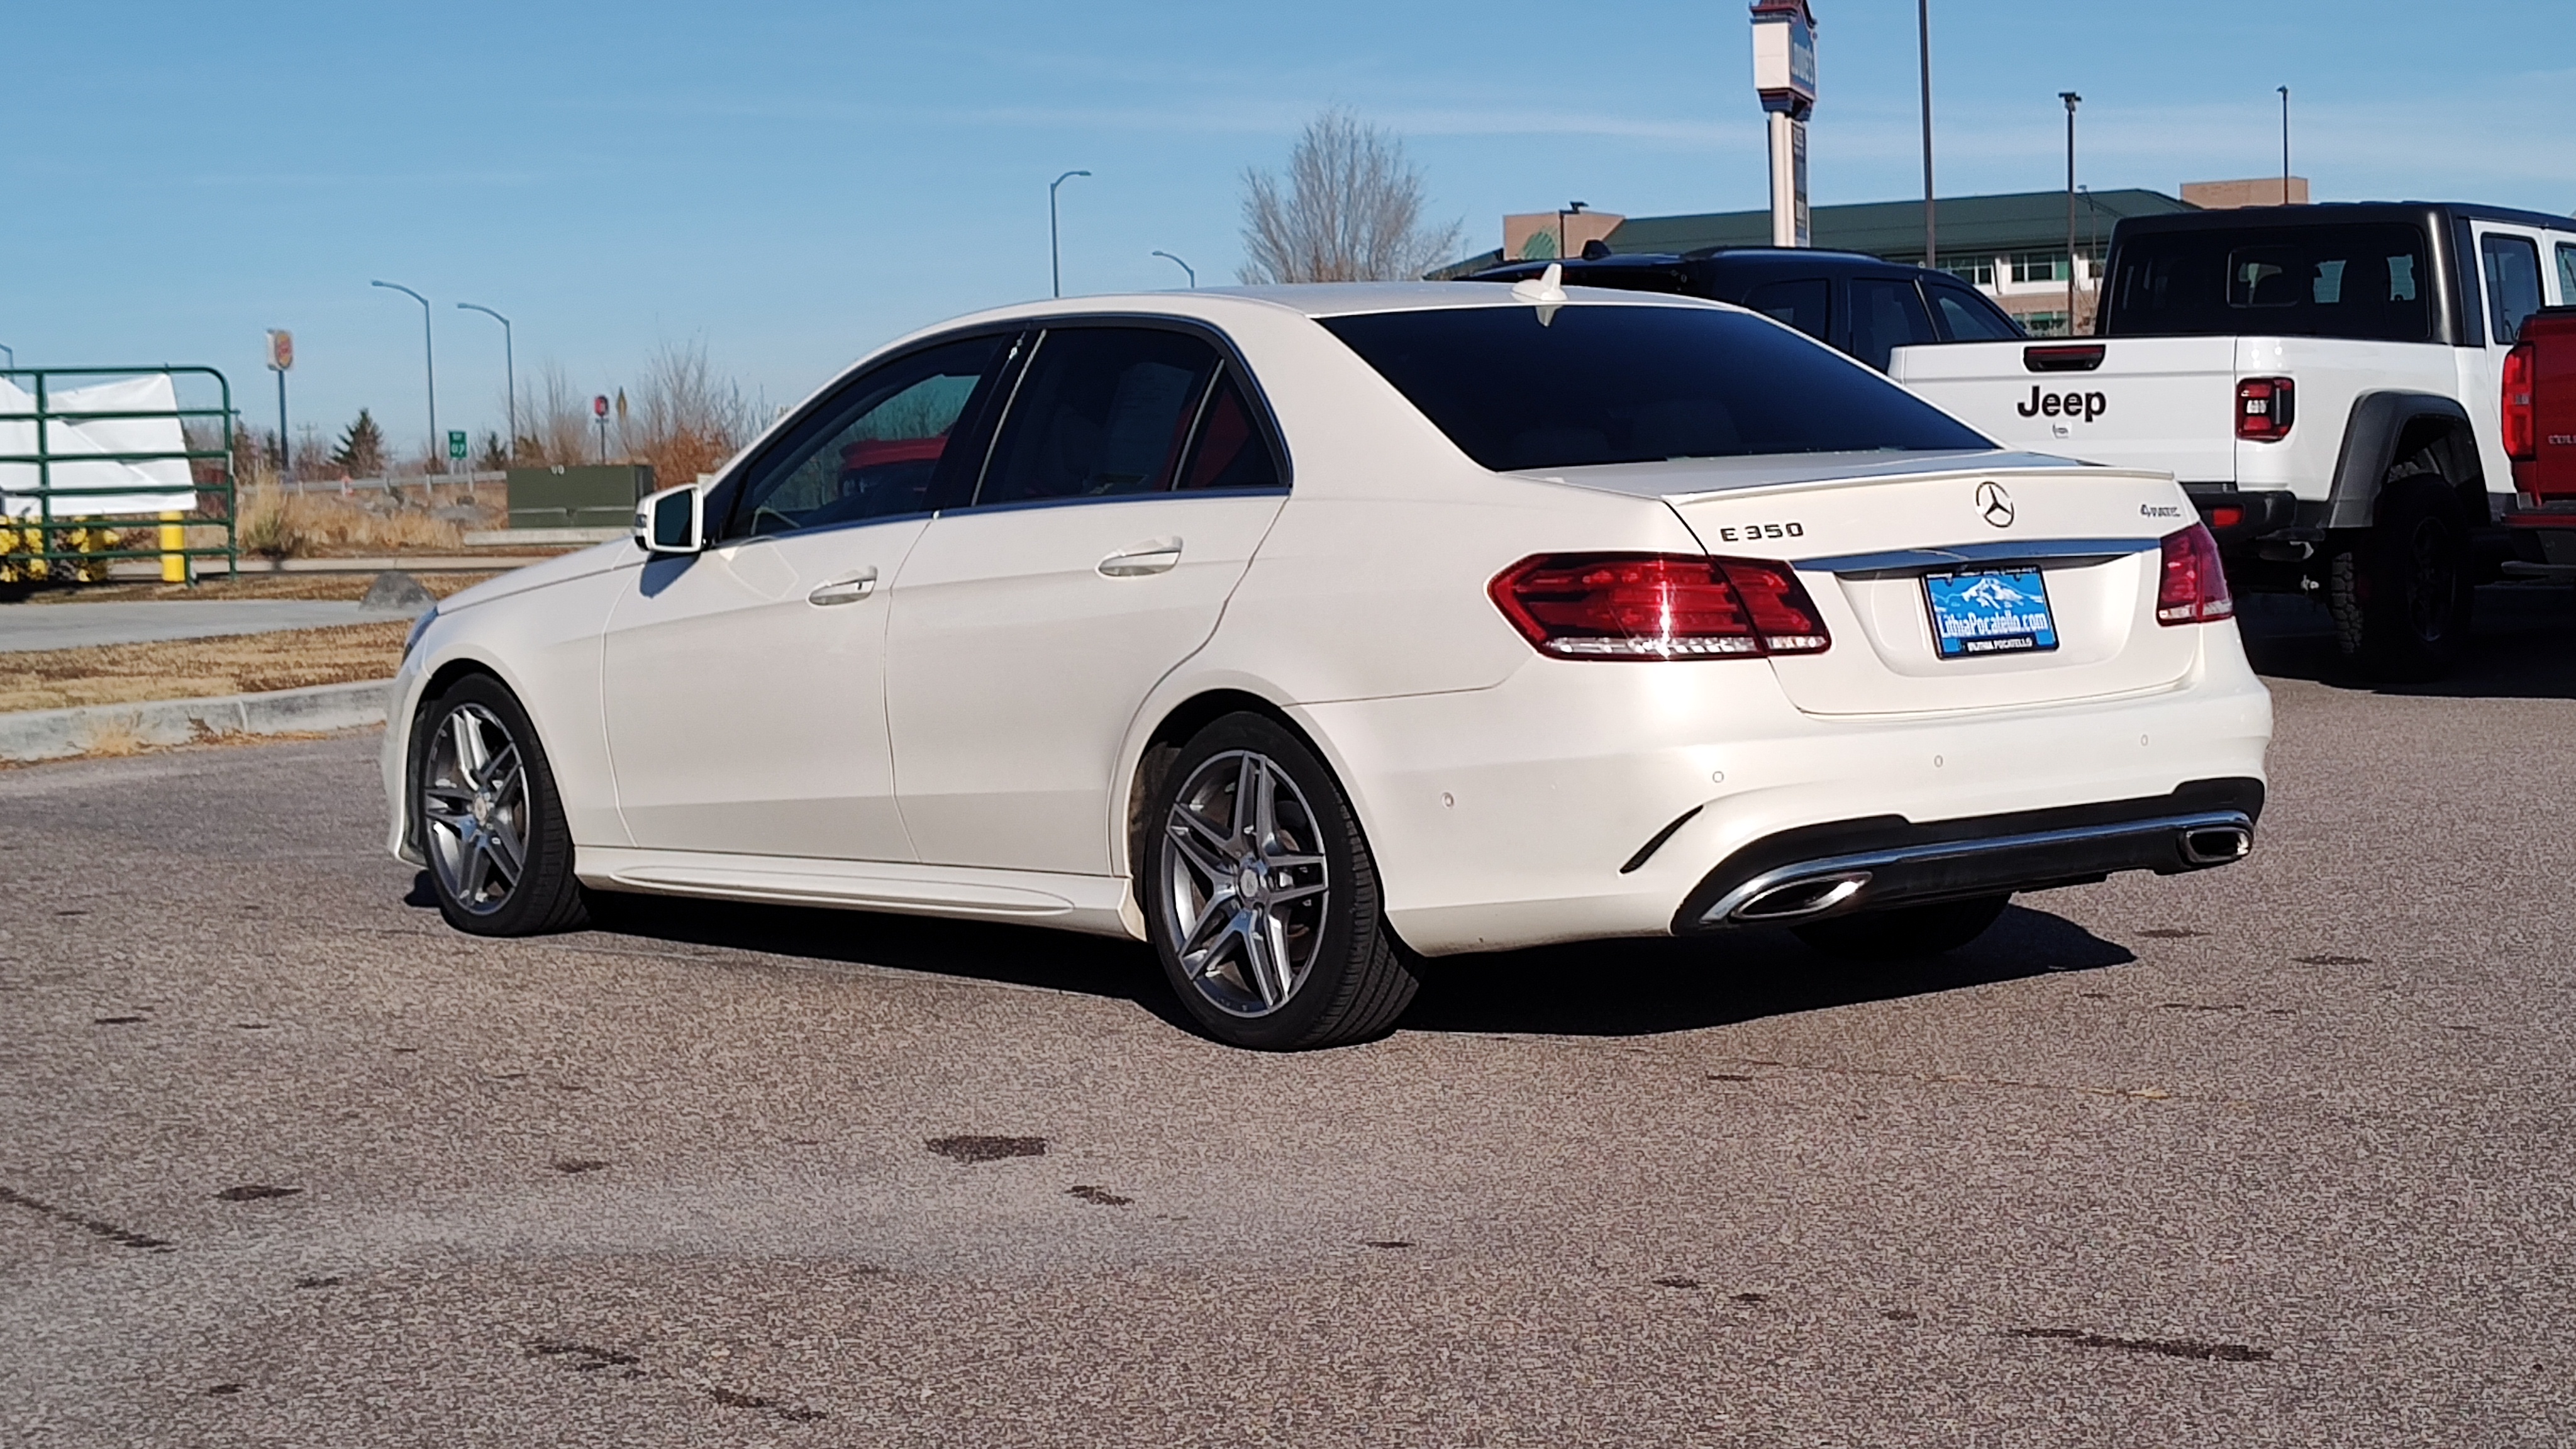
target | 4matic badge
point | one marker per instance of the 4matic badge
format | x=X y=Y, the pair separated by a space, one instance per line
x=1994 y=505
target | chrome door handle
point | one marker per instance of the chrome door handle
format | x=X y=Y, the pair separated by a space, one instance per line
x=1154 y=556
x=845 y=591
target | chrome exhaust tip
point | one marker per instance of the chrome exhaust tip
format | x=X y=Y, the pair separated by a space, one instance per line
x=2215 y=844
x=1798 y=900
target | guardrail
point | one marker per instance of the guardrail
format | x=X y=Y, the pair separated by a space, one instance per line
x=37 y=432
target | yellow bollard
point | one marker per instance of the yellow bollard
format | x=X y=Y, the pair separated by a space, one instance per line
x=174 y=537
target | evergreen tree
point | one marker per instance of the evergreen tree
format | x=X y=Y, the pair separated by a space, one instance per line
x=361 y=453
x=493 y=457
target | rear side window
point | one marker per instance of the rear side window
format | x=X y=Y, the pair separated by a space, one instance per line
x=1099 y=412
x=1634 y=384
x=2566 y=275
x=1886 y=314
x=1232 y=450
x=2512 y=265
x=1966 y=317
x=2364 y=281
x=1807 y=305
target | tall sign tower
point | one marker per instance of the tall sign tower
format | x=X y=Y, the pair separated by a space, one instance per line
x=1784 y=76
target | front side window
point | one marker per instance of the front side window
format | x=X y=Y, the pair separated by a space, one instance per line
x=1806 y=304
x=2362 y=281
x=1099 y=412
x=872 y=450
x=1631 y=384
x=1966 y=317
x=1886 y=314
x=2512 y=265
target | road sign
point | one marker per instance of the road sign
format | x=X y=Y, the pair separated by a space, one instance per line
x=455 y=445
x=599 y=406
x=281 y=349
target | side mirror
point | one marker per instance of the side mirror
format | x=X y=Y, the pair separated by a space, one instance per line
x=671 y=521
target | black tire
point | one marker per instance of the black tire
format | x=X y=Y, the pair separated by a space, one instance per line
x=495 y=807
x=1347 y=977
x=2401 y=594
x=1905 y=932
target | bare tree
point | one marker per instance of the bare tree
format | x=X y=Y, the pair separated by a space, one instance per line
x=687 y=420
x=1349 y=210
x=554 y=419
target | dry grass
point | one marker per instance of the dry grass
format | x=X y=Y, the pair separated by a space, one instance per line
x=198 y=668
x=114 y=735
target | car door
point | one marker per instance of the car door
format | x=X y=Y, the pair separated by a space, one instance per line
x=745 y=684
x=2509 y=271
x=1133 y=474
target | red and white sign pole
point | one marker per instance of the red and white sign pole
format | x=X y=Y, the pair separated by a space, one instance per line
x=1784 y=76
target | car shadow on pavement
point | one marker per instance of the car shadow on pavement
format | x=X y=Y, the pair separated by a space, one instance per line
x=970 y=950
x=1605 y=988
x=1640 y=988
x=2522 y=645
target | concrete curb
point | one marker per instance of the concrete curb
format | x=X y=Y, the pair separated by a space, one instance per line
x=54 y=734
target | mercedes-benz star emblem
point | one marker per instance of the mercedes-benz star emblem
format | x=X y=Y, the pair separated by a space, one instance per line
x=1994 y=504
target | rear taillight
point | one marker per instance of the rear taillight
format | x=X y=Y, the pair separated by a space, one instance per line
x=2521 y=439
x=1659 y=606
x=2193 y=589
x=2265 y=408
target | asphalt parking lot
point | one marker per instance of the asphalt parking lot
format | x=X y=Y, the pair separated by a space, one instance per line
x=2278 y=1154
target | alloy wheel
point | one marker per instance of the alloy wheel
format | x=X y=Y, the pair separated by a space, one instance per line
x=1247 y=883
x=474 y=809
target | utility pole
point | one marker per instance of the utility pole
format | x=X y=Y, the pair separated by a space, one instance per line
x=2072 y=101
x=429 y=358
x=1923 y=44
x=2285 y=145
x=509 y=370
x=1055 y=249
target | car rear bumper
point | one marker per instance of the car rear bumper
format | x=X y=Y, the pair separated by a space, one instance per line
x=1852 y=866
x=1585 y=801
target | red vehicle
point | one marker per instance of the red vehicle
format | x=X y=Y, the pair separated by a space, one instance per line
x=2540 y=437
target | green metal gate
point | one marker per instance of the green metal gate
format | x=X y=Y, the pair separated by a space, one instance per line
x=56 y=541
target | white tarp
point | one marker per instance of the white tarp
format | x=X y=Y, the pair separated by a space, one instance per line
x=78 y=449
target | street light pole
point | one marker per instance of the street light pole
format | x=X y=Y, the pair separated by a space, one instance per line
x=2285 y=145
x=509 y=370
x=1055 y=250
x=1184 y=266
x=429 y=357
x=2072 y=101
x=1923 y=42
x=13 y=355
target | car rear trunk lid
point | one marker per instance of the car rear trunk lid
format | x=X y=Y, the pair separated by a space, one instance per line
x=1865 y=537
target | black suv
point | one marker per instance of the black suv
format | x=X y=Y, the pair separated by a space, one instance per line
x=1847 y=300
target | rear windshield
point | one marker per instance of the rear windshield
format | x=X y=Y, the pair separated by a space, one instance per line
x=2366 y=281
x=1613 y=384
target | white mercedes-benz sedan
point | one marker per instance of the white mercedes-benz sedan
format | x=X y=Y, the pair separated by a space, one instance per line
x=1307 y=632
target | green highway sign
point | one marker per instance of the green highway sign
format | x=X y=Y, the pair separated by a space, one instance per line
x=455 y=445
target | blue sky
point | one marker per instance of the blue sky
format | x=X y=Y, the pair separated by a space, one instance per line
x=796 y=183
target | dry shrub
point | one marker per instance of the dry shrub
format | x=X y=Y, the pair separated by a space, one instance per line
x=116 y=734
x=278 y=524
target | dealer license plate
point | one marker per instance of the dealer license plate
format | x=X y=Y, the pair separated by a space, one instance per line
x=1989 y=611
